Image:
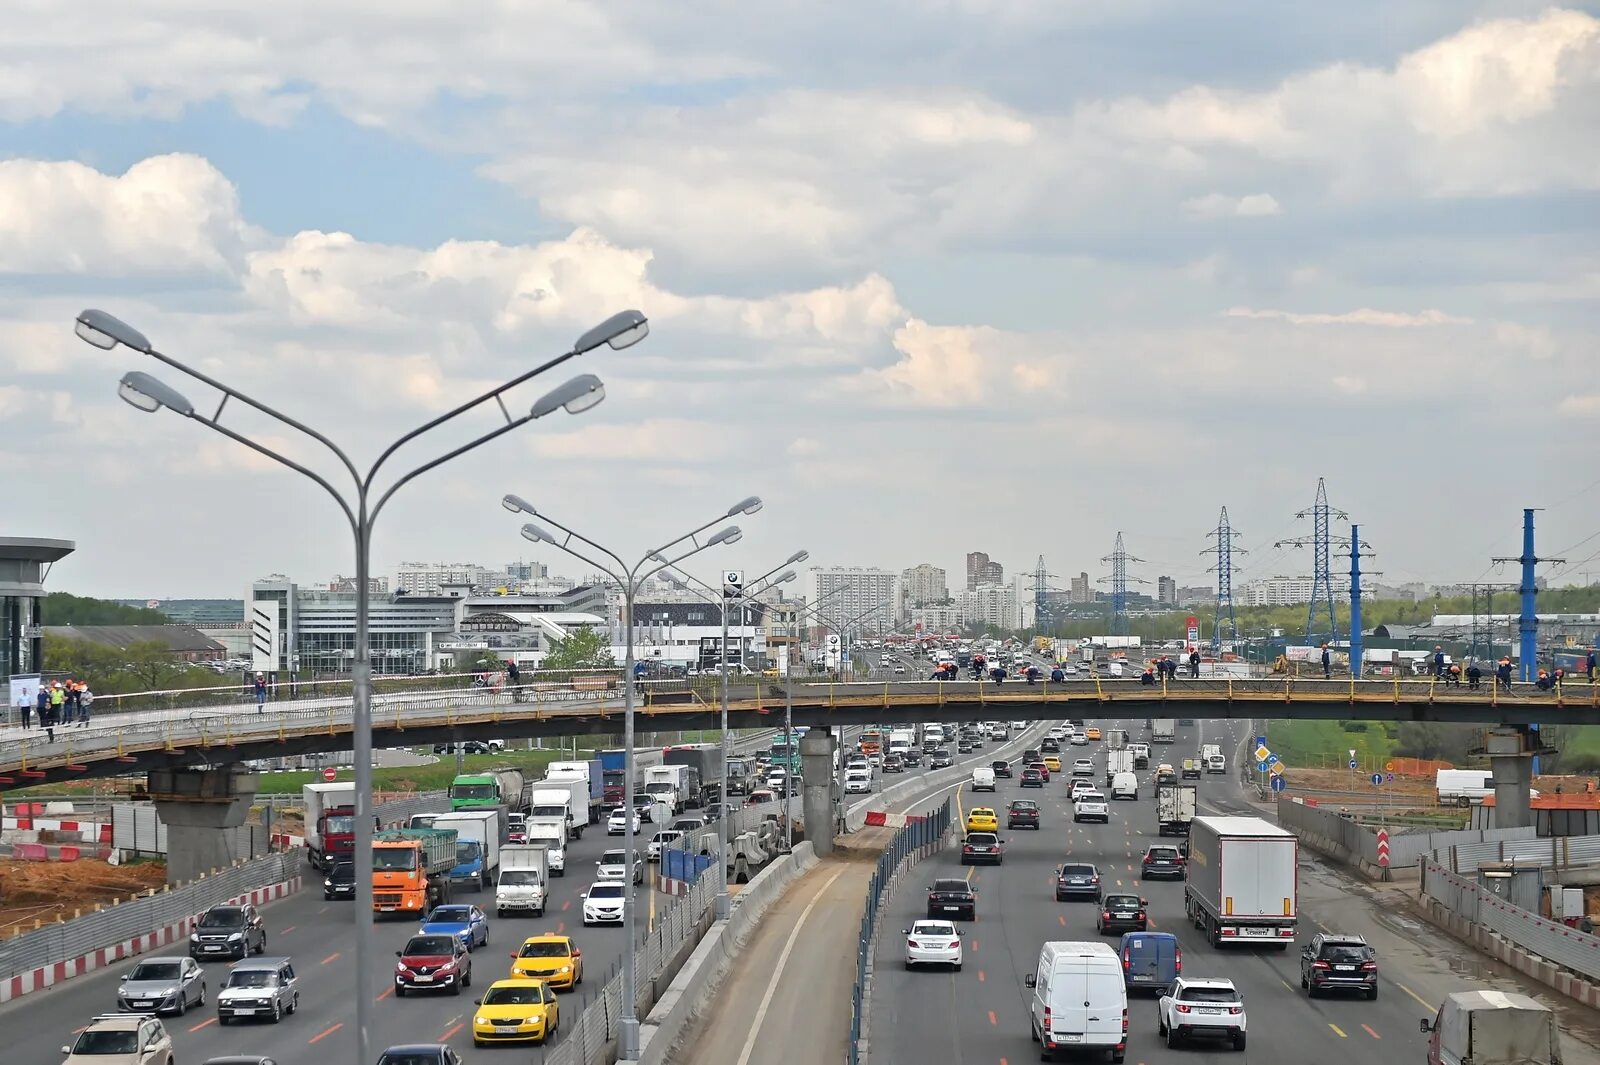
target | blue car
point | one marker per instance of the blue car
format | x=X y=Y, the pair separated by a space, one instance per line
x=467 y=923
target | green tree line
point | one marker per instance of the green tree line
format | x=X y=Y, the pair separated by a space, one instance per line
x=143 y=666
x=64 y=608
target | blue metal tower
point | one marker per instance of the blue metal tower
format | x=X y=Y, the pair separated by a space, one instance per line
x=1119 y=559
x=1357 y=549
x=1224 y=550
x=1321 y=543
x=1528 y=621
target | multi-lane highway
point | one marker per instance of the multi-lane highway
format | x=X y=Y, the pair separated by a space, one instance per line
x=979 y=1016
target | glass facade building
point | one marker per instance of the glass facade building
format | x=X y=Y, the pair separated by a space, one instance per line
x=24 y=563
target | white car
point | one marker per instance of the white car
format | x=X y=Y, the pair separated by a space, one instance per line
x=1091 y=806
x=602 y=903
x=933 y=943
x=858 y=782
x=1018 y=725
x=660 y=841
x=1079 y=786
x=1071 y=671
x=1080 y=739
x=613 y=866
x=1083 y=767
x=617 y=823
x=1194 y=1007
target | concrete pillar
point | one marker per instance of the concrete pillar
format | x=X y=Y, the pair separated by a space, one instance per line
x=816 y=765
x=201 y=808
x=1512 y=766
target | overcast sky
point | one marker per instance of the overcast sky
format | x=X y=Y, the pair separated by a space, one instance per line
x=928 y=276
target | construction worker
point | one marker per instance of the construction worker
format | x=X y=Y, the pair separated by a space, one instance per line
x=1588 y=665
x=1502 y=673
x=1474 y=675
x=1438 y=661
x=1148 y=677
x=1454 y=675
x=1544 y=683
x=1327 y=663
x=1057 y=675
x=1559 y=676
x=1194 y=662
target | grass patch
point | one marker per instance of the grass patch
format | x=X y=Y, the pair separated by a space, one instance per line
x=1325 y=744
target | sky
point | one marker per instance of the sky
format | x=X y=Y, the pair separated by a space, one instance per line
x=927 y=277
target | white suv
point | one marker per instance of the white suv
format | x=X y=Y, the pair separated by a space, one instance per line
x=121 y=1039
x=1091 y=806
x=1195 y=1007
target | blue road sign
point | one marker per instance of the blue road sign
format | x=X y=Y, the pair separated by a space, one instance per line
x=1261 y=767
x=1389 y=779
x=1272 y=759
x=1278 y=783
x=1377 y=778
x=1352 y=763
x=1261 y=741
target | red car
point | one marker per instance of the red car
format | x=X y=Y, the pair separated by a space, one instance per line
x=1044 y=770
x=433 y=962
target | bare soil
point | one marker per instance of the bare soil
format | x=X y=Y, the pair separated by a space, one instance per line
x=45 y=892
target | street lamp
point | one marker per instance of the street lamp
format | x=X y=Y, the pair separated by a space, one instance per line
x=843 y=628
x=762 y=583
x=149 y=394
x=630 y=579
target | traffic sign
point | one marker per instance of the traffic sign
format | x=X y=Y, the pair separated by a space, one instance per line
x=329 y=775
x=1353 y=764
x=1278 y=783
x=1377 y=779
x=1262 y=752
x=1261 y=741
x=1389 y=779
x=1272 y=759
x=1383 y=847
x=1277 y=768
x=1261 y=767
x=1389 y=766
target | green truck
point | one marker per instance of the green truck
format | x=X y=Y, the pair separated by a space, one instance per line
x=507 y=787
x=411 y=869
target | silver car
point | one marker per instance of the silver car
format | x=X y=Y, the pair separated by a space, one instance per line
x=162 y=985
x=613 y=865
x=266 y=988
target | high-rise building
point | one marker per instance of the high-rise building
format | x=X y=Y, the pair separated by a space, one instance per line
x=855 y=591
x=375 y=585
x=1082 y=590
x=982 y=571
x=1166 y=591
x=991 y=604
x=430 y=578
x=924 y=585
x=1286 y=591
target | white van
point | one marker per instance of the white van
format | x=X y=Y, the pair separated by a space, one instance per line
x=1125 y=786
x=1463 y=787
x=983 y=779
x=1079 y=999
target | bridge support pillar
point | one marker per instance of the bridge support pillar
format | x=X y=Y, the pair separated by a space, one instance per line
x=201 y=808
x=1511 y=762
x=816 y=766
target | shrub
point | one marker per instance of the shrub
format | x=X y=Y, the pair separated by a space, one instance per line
x=1355 y=726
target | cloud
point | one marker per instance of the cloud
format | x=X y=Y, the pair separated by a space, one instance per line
x=1362 y=316
x=656 y=440
x=1216 y=205
x=1585 y=406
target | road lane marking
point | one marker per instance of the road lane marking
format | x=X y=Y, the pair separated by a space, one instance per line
x=565 y=906
x=1337 y=1030
x=980 y=976
x=286 y=931
x=993 y=1020
x=1370 y=1032
x=1422 y=1001
x=1063 y=921
x=386 y=993
x=203 y=1024
x=324 y=1034
x=777 y=971
x=452 y=1031
x=1285 y=984
x=331 y=957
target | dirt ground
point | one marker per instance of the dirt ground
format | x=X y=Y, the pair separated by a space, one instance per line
x=46 y=891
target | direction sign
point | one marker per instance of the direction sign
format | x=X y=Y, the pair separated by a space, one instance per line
x=1262 y=752
x=1272 y=759
x=1353 y=763
x=1383 y=847
x=1261 y=741
x=1277 y=769
x=1278 y=783
x=1377 y=779
x=1261 y=767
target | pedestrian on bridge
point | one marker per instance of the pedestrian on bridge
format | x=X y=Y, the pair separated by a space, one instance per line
x=261 y=692
x=514 y=677
x=49 y=714
x=1588 y=665
x=25 y=710
x=1502 y=673
x=1453 y=677
x=85 y=701
x=1474 y=675
x=1194 y=663
x=1327 y=663
x=1438 y=661
x=42 y=700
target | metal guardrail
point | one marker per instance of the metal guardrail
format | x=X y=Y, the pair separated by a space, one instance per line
x=925 y=830
x=1567 y=947
x=115 y=924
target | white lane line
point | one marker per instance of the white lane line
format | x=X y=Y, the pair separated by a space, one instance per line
x=777 y=972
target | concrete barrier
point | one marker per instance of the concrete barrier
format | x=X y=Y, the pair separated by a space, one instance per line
x=692 y=988
x=1505 y=951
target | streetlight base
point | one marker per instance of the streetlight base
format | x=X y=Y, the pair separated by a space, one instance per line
x=721 y=906
x=628 y=1039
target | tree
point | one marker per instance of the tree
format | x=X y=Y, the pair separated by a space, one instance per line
x=582 y=649
x=62 y=608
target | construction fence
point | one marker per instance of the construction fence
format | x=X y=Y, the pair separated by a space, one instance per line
x=1553 y=941
x=1359 y=840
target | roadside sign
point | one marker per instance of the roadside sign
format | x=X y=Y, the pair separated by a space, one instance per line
x=1277 y=769
x=1278 y=783
x=1262 y=752
x=1389 y=779
x=732 y=583
x=1389 y=768
x=329 y=775
x=1353 y=764
x=1377 y=779
x=1261 y=767
x=1261 y=741
x=1272 y=759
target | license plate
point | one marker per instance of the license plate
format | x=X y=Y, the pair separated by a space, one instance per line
x=505 y=1029
x=1345 y=968
x=386 y=909
x=243 y=1013
x=953 y=909
x=1122 y=916
x=423 y=979
x=1208 y=1013
x=143 y=1005
x=1074 y=1038
x=213 y=950
x=1259 y=933
x=1143 y=976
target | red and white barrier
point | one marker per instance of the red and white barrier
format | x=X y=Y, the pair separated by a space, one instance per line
x=50 y=975
x=95 y=830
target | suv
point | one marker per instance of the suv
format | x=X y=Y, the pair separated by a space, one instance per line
x=420 y=1054
x=431 y=961
x=340 y=883
x=1201 y=1007
x=121 y=1039
x=952 y=898
x=262 y=988
x=1162 y=861
x=981 y=847
x=162 y=985
x=228 y=931
x=1091 y=806
x=1001 y=767
x=1077 y=880
x=1022 y=813
x=1334 y=962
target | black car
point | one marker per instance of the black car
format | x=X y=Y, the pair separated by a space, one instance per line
x=953 y=899
x=1077 y=880
x=982 y=847
x=1162 y=862
x=1335 y=962
x=1001 y=767
x=1022 y=813
x=1032 y=754
x=1032 y=778
x=963 y=746
x=340 y=883
x=420 y=1054
x=941 y=759
x=893 y=763
x=1122 y=913
x=1049 y=745
x=911 y=756
x=228 y=932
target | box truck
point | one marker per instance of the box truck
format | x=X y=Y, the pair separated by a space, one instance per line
x=706 y=760
x=524 y=878
x=1242 y=881
x=1163 y=730
x=1118 y=761
x=671 y=785
x=478 y=836
x=552 y=836
x=593 y=775
x=1176 y=806
x=330 y=814
x=562 y=799
x=1492 y=1026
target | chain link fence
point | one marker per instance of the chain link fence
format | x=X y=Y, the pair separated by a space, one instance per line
x=116 y=924
x=920 y=831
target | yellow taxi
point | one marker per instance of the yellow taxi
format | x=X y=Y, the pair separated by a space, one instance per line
x=1092 y=733
x=1052 y=762
x=553 y=959
x=516 y=1011
x=982 y=819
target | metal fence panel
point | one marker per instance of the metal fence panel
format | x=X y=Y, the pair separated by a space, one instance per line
x=137 y=828
x=1554 y=942
x=1549 y=852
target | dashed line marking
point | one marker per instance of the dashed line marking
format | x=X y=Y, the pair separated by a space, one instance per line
x=980 y=976
x=1422 y=1001
x=561 y=926
x=286 y=931
x=1063 y=921
x=1370 y=1032
x=331 y=957
x=566 y=905
x=1337 y=1030
x=452 y=1031
x=203 y=1024
x=324 y=1034
x=386 y=993
x=993 y=1020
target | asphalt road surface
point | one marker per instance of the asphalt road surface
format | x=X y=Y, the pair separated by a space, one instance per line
x=979 y=1016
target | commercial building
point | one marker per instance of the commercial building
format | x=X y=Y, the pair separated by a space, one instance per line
x=980 y=570
x=858 y=589
x=1082 y=591
x=197 y=612
x=1166 y=591
x=923 y=585
x=688 y=632
x=25 y=561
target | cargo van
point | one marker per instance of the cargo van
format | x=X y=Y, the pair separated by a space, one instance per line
x=1125 y=786
x=1150 y=960
x=1079 y=999
x=1463 y=787
x=983 y=779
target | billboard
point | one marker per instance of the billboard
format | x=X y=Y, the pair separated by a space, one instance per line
x=1192 y=624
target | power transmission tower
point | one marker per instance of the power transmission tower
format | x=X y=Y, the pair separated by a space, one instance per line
x=1321 y=541
x=1224 y=550
x=1043 y=616
x=1119 y=559
x=1483 y=620
x=1528 y=620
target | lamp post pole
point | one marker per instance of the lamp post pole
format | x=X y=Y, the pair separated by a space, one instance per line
x=630 y=578
x=149 y=394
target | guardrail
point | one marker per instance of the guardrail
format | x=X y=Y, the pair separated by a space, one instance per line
x=924 y=832
x=1567 y=947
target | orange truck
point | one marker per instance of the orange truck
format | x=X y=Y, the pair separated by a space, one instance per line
x=872 y=741
x=411 y=869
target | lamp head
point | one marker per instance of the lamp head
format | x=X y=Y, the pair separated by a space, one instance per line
x=148 y=394
x=537 y=533
x=577 y=395
x=731 y=535
x=621 y=330
x=106 y=331
x=745 y=506
x=798 y=556
x=517 y=505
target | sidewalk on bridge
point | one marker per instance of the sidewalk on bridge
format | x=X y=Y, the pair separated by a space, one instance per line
x=786 y=1001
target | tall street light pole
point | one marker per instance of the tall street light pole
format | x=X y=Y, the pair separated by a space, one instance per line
x=788 y=711
x=149 y=394
x=630 y=578
x=728 y=595
x=843 y=628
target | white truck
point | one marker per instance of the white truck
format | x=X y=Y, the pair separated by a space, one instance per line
x=1211 y=756
x=1176 y=806
x=902 y=740
x=1164 y=730
x=1241 y=881
x=559 y=798
x=330 y=821
x=524 y=879
x=552 y=836
x=478 y=836
x=1118 y=761
x=668 y=784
